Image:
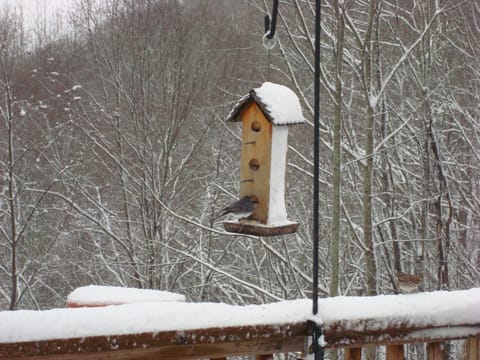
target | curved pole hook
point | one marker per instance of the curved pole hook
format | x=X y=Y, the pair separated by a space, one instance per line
x=271 y=23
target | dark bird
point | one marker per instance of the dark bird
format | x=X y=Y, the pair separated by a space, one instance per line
x=408 y=283
x=240 y=209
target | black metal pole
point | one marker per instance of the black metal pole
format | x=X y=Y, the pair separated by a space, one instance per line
x=316 y=157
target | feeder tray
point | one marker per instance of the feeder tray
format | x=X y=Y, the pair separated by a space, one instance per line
x=259 y=229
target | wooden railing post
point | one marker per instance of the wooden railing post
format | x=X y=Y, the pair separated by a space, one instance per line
x=394 y=352
x=435 y=351
x=353 y=353
x=472 y=349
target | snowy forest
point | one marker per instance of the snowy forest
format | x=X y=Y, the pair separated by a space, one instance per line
x=115 y=158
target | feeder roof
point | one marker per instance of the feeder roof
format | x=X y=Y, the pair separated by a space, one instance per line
x=279 y=104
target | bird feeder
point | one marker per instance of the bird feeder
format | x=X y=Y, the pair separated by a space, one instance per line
x=266 y=114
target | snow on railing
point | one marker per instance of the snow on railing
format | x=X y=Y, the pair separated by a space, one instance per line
x=94 y=295
x=168 y=330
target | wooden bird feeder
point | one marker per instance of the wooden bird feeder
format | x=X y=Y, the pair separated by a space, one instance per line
x=266 y=114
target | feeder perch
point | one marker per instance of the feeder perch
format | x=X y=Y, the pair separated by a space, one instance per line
x=266 y=114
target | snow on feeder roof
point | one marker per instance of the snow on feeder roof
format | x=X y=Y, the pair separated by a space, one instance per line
x=279 y=104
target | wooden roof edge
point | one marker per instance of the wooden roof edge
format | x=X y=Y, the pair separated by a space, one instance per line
x=239 y=107
x=246 y=101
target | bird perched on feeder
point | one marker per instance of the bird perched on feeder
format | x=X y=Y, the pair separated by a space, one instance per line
x=408 y=283
x=241 y=209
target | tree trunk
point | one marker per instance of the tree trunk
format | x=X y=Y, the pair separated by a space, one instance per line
x=11 y=196
x=371 y=267
x=370 y=262
x=337 y=127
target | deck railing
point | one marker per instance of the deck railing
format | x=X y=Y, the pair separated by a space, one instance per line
x=220 y=343
x=262 y=341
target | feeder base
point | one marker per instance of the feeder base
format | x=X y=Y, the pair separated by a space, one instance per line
x=259 y=229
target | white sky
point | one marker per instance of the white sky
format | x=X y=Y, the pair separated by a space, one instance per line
x=32 y=8
x=40 y=11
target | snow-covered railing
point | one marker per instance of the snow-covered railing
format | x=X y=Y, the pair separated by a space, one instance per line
x=179 y=330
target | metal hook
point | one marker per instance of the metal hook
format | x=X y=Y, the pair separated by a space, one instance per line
x=271 y=23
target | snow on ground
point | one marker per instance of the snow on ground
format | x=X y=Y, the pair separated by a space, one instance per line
x=417 y=310
x=281 y=102
x=114 y=295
